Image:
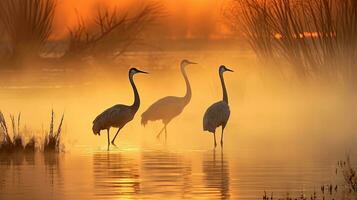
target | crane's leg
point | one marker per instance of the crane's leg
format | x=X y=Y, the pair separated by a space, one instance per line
x=159 y=134
x=165 y=133
x=214 y=155
x=115 y=137
x=214 y=136
x=222 y=136
x=108 y=138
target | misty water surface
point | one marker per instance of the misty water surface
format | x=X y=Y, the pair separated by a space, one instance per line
x=278 y=140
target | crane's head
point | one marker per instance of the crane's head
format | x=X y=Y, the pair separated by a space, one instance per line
x=223 y=68
x=185 y=62
x=133 y=71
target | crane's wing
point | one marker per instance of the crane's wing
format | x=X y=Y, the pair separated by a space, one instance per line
x=216 y=115
x=115 y=116
x=165 y=108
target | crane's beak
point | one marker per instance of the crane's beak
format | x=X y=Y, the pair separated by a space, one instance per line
x=139 y=71
x=229 y=70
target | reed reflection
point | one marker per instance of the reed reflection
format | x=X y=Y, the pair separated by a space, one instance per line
x=52 y=161
x=12 y=171
x=165 y=174
x=115 y=175
x=216 y=175
x=17 y=159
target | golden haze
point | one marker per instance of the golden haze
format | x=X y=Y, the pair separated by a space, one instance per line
x=185 y=18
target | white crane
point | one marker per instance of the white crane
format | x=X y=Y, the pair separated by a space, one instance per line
x=169 y=107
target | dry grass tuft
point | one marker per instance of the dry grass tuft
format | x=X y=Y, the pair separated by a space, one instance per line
x=17 y=137
x=349 y=175
x=345 y=191
x=18 y=144
x=30 y=146
x=53 y=138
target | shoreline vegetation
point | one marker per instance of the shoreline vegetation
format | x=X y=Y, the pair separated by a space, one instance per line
x=303 y=39
x=18 y=141
x=28 y=28
x=347 y=190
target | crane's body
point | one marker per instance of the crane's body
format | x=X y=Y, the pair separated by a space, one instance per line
x=164 y=109
x=220 y=110
x=112 y=117
x=217 y=115
x=169 y=107
x=118 y=115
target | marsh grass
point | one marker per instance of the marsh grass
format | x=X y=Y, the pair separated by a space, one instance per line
x=17 y=142
x=30 y=145
x=249 y=18
x=27 y=26
x=349 y=175
x=52 y=140
x=345 y=191
x=306 y=38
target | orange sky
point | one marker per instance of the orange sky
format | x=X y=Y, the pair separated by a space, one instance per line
x=186 y=18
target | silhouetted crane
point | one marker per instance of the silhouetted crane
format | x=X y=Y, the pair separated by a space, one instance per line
x=118 y=115
x=218 y=113
x=169 y=107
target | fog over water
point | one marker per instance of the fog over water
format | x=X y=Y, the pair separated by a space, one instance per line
x=292 y=102
x=183 y=19
x=279 y=138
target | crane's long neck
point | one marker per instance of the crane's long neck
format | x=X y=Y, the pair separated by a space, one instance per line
x=225 y=95
x=136 y=103
x=188 y=94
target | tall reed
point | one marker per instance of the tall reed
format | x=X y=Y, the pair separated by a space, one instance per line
x=249 y=17
x=309 y=38
x=347 y=190
x=16 y=143
x=52 y=140
x=28 y=25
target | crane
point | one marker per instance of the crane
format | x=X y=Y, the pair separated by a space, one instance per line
x=218 y=113
x=169 y=107
x=118 y=115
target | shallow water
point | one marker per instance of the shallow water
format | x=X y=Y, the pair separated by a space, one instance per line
x=132 y=173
